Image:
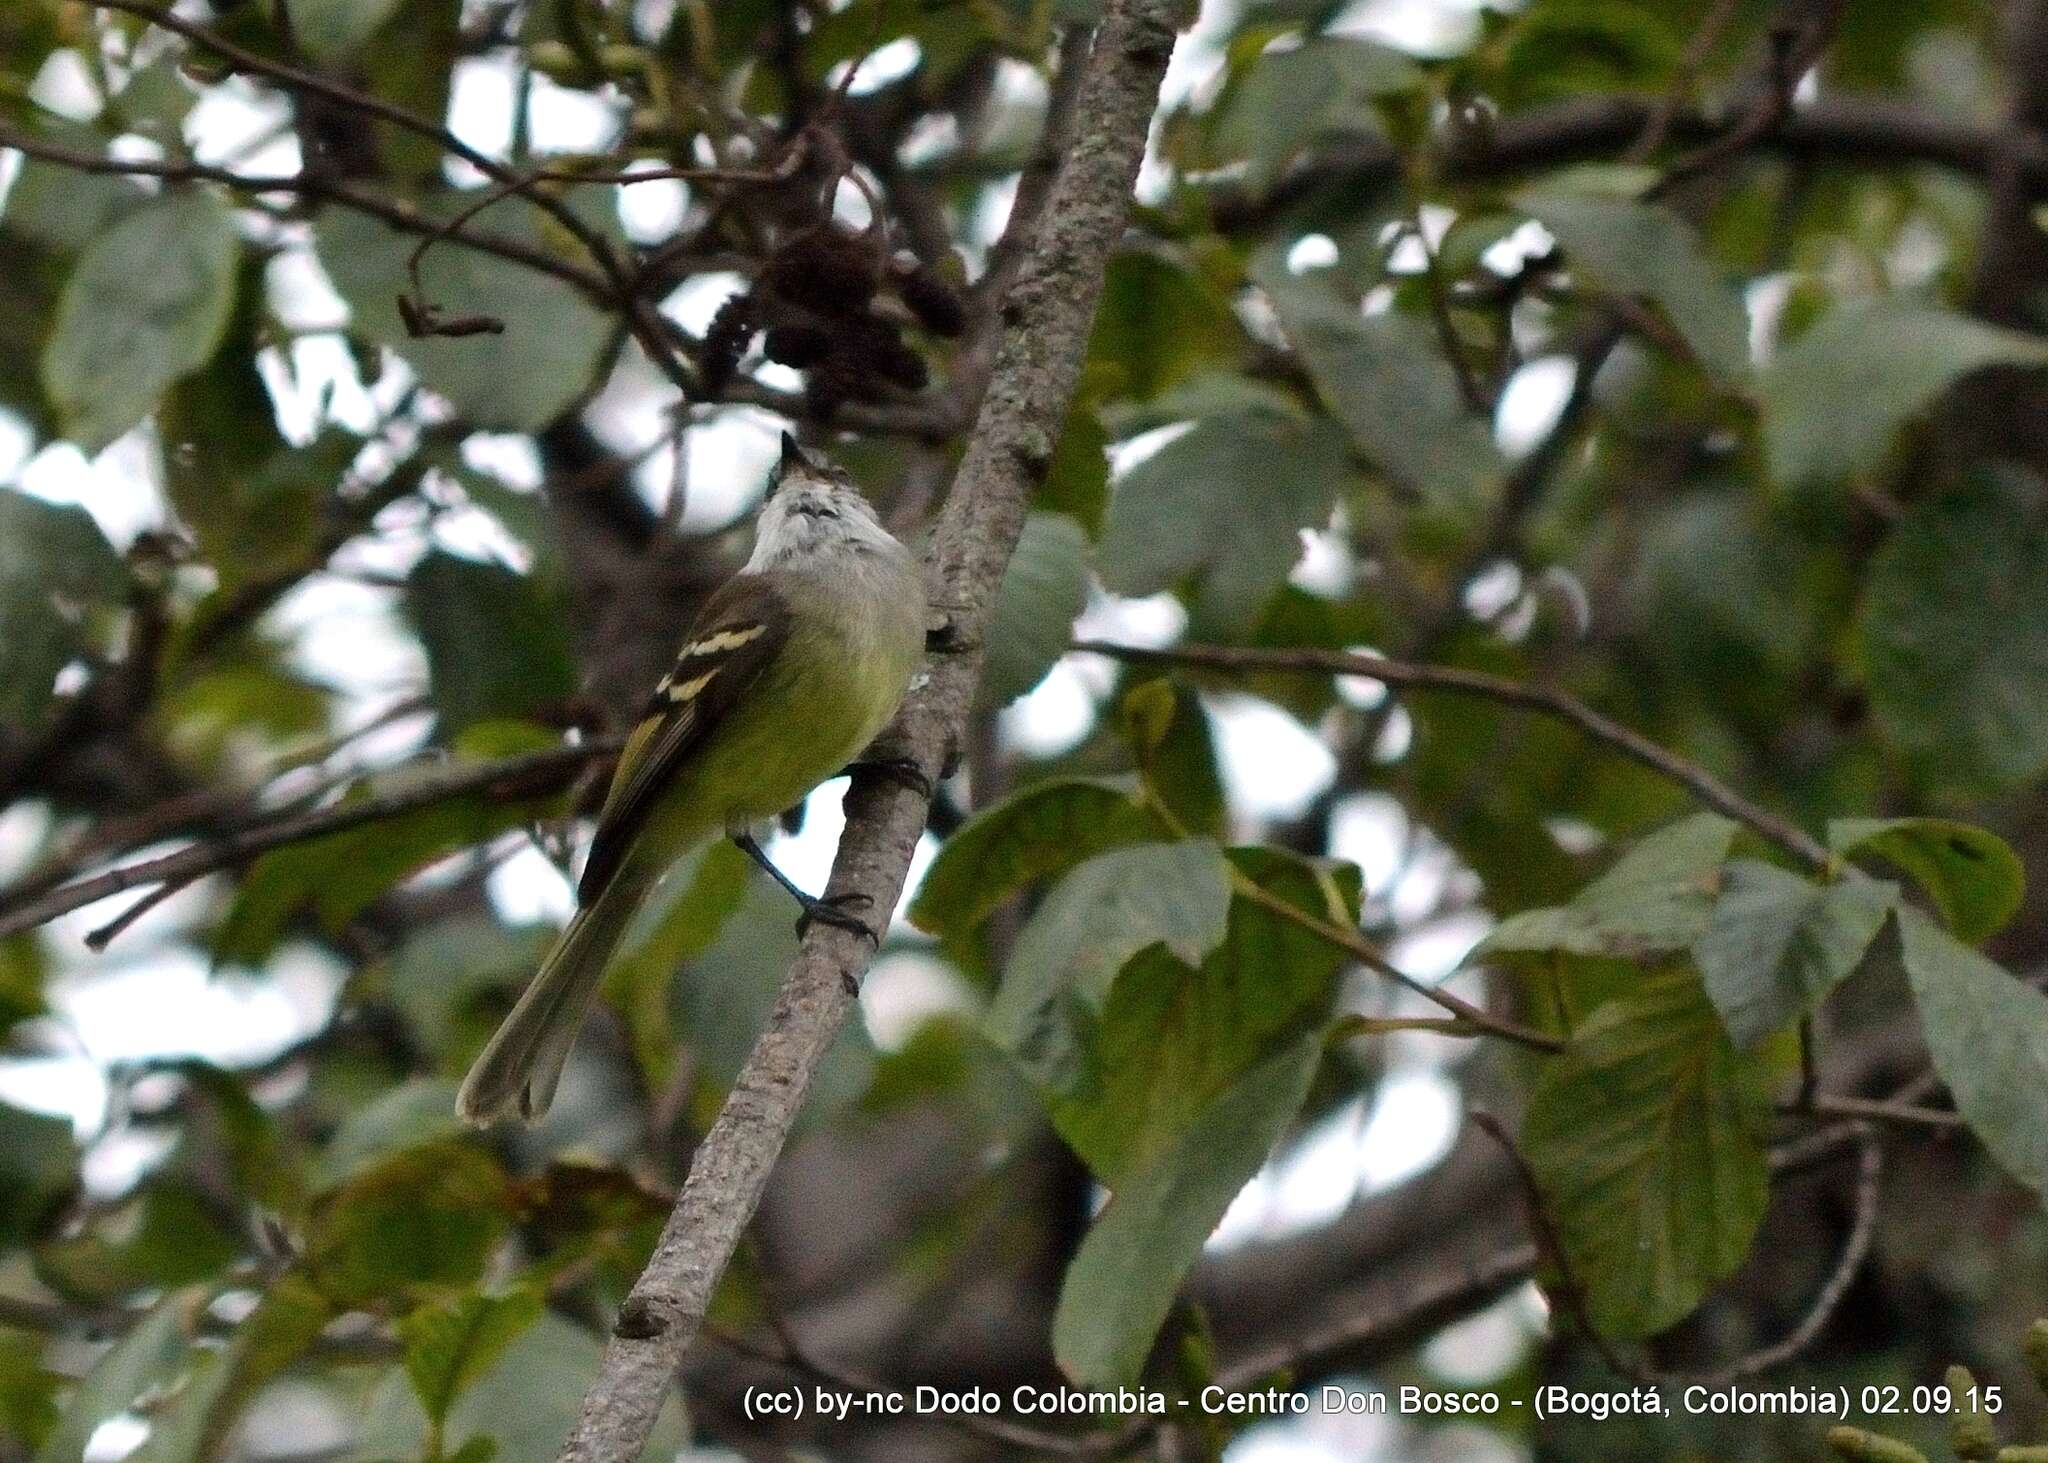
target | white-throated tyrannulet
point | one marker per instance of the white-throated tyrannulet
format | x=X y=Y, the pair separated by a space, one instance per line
x=792 y=668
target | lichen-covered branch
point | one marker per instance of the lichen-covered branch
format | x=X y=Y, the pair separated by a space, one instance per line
x=1044 y=322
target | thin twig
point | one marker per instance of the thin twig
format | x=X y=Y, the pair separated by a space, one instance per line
x=303 y=82
x=1545 y=699
x=1354 y=944
x=398 y=213
x=533 y=774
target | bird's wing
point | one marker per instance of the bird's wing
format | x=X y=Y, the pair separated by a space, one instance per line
x=737 y=633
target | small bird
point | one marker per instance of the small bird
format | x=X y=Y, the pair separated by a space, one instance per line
x=792 y=669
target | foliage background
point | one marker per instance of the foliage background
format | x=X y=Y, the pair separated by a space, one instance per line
x=1678 y=358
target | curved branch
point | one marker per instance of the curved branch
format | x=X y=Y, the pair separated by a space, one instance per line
x=1701 y=783
x=1045 y=323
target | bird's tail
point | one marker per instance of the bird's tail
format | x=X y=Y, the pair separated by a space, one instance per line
x=517 y=1072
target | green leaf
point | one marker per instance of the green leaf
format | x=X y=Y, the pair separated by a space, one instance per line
x=427 y=1215
x=38 y=1169
x=166 y=1235
x=1955 y=637
x=441 y=973
x=1988 y=1036
x=1646 y=1136
x=1185 y=511
x=521 y=380
x=1656 y=899
x=1158 y=324
x=1385 y=378
x=336 y=876
x=460 y=607
x=1031 y=835
x=449 y=1344
x=195 y=1424
x=526 y=1402
x=1044 y=590
x=1094 y=920
x=1835 y=398
x=28 y=1392
x=1972 y=874
x=1777 y=943
x=56 y=568
x=326 y=29
x=1288 y=99
x=1077 y=483
x=1644 y=251
x=1170 y=1038
x=1123 y=1279
x=418 y=1110
x=152 y=1354
x=643 y=975
x=145 y=305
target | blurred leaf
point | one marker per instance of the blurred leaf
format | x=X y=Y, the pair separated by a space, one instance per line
x=337 y=875
x=1123 y=1279
x=424 y=1216
x=56 y=568
x=1184 y=770
x=28 y=1392
x=1778 y=943
x=1288 y=99
x=497 y=642
x=150 y=1355
x=231 y=715
x=62 y=209
x=1657 y=898
x=1972 y=874
x=1158 y=325
x=1834 y=399
x=22 y=968
x=443 y=970
x=1567 y=48
x=449 y=1344
x=1077 y=483
x=262 y=523
x=418 y=1110
x=1171 y=1038
x=327 y=29
x=1095 y=919
x=38 y=1170
x=166 y=1235
x=1043 y=592
x=1647 y=1135
x=145 y=305
x=639 y=982
x=526 y=1402
x=1955 y=636
x=1645 y=251
x=520 y=380
x=1988 y=1035
x=195 y=1424
x=1185 y=511
x=1386 y=379
x=1031 y=835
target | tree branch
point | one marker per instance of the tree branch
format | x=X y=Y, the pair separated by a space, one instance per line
x=1701 y=783
x=530 y=775
x=1045 y=324
x=1861 y=131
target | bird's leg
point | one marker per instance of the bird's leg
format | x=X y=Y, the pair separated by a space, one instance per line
x=903 y=771
x=828 y=910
